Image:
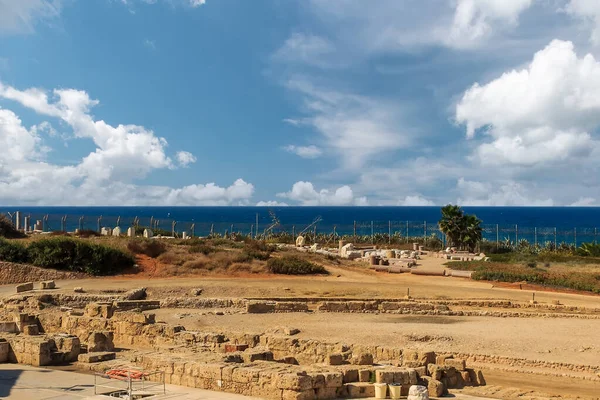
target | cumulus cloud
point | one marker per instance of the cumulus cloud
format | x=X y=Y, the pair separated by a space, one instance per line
x=475 y=20
x=20 y=16
x=476 y=193
x=271 y=203
x=123 y=154
x=305 y=194
x=185 y=158
x=589 y=12
x=415 y=200
x=311 y=151
x=540 y=114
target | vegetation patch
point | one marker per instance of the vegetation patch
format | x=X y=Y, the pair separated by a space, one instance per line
x=7 y=229
x=150 y=247
x=292 y=265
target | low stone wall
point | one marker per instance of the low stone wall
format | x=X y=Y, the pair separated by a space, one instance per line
x=20 y=273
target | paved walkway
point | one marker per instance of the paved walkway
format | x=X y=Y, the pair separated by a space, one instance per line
x=22 y=382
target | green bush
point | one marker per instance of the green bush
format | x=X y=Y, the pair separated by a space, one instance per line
x=202 y=248
x=80 y=256
x=13 y=252
x=150 y=247
x=292 y=265
x=7 y=229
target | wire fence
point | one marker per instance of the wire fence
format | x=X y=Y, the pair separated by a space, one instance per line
x=265 y=226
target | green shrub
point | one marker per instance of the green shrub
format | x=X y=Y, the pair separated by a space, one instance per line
x=13 y=252
x=150 y=247
x=202 y=248
x=292 y=265
x=7 y=229
x=75 y=255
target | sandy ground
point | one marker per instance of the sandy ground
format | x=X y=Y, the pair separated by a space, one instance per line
x=563 y=340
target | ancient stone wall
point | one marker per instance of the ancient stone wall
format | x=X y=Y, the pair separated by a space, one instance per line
x=20 y=273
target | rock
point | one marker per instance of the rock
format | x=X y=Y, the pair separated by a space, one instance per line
x=435 y=388
x=219 y=313
x=78 y=289
x=100 y=341
x=314 y=247
x=116 y=231
x=196 y=292
x=135 y=294
x=30 y=330
x=300 y=241
x=24 y=287
x=334 y=359
x=418 y=392
x=96 y=357
x=362 y=359
x=457 y=363
x=47 y=285
x=259 y=307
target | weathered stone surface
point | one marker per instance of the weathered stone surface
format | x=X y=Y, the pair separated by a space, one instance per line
x=4 y=349
x=435 y=388
x=291 y=306
x=47 y=285
x=362 y=359
x=96 y=357
x=418 y=392
x=457 y=363
x=135 y=294
x=260 y=307
x=9 y=327
x=359 y=390
x=30 y=330
x=300 y=241
x=334 y=359
x=24 y=287
x=100 y=341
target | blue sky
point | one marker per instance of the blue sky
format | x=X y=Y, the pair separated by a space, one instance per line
x=315 y=102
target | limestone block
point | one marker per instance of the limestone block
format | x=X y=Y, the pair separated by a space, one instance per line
x=135 y=294
x=326 y=393
x=435 y=371
x=333 y=379
x=457 y=363
x=69 y=345
x=418 y=392
x=422 y=371
x=291 y=306
x=292 y=395
x=435 y=388
x=441 y=360
x=362 y=359
x=466 y=378
x=9 y=327
x=47 y=285
x=116 y=231
x=96 y=357
x=257 y=355
x=384 y=376
x=100 y=341
x=364 y=375
x=101 y=310
x=131 y=232
x=24 y=287
x=334 y=359
x=30 y=330
x=148 y=233
x=350 y=375
x=357 y=390
x=78 y=289
x=259 y=307
x=298 y=382
x=300 y=241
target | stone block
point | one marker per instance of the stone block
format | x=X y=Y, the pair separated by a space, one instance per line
x=418 y=392
x=435 y=371
x=298 y=382
x=441 y=360
x=384 y=376
x=4 y=350
x=357 y=390
x=293 y=395
x=466 y=378
x=24 y=287
x=334 y=359
x=457 y=363
x=30 y=330
x=333 y=379
x=100 y=341
x=78 y=289
x=8 y=327
x=47 y=285
x=364 y=375
x=259 y=307
x=422 y=371
x=290 y=306
x=362 y=359
x=90 y=358
x=257 y=355
x=326 y=393
x=351 y=375
x=435 y=388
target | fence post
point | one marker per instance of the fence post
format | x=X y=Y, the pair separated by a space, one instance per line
x=575 y=236
x=389 y=232
x=256 y=227
x=555 y=245
x=497 y=237
x=425 y=231
x=595 y=229
x=293 y=232
x=99 y=222
x=406 y=231
x=372 y=234
x=516 y=235
x=535 y=236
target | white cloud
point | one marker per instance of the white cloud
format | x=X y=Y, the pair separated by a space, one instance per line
x=20 y=16
x=150 y=44
x=105 y=176
x=475 y=193
x=185 y=158
x=475 y=20
x=540 y=114
x=311 y=151
x=305 y=194
x=589 y=12
x=415 y=200
x=197 y=3
x=585 y=202
x=306 y=49
x=356 y=127
x=271 y=203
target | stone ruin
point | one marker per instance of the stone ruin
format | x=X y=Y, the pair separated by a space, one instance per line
x=102 y=335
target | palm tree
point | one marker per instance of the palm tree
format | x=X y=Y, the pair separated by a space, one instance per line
x=472 y=231
x=452 y=224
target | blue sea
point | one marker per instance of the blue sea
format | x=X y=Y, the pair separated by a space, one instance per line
x=568 y=224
